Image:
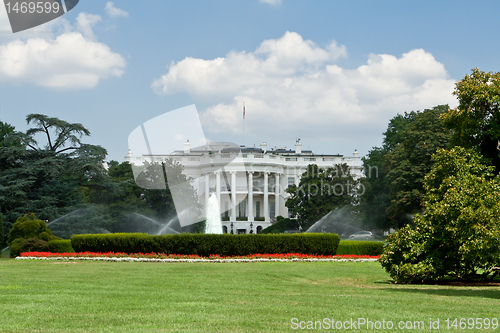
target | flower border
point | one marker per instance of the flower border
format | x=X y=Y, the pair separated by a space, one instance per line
x=162 y=257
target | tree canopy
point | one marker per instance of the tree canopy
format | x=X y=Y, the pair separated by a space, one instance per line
x=458 y=234
x=48 y=179
x=320 y=191
x=476 y=121
x=395 y=172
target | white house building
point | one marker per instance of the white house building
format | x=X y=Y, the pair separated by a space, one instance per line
x=226 y=170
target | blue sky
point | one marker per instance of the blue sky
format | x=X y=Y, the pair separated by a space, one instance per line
x=329 y=72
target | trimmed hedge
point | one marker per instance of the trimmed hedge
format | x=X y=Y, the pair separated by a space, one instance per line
x=207 y=244
x=369 y=248
x=27 y=245
x=60 y=246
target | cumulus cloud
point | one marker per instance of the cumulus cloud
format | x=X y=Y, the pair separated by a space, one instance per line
x=69 y=61
x=293 y=85
x=68 y=58
x=115 y=12
x=84 y=23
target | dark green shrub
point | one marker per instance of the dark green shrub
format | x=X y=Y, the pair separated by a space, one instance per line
x=458 y=235
x=60 y=246
x=207 y=244
x=28 y=245
x=46 y=236
x=368 y=248
x=26 y=227
x=281 y=225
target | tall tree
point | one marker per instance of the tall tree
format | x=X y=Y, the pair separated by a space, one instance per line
x=476 y=121
x=376 y=199
x=395 y=173
x=458 y=234
x=48 y=179
x=411 y=160
x=320 y=191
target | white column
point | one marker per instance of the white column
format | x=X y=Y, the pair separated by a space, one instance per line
x=266 y=197
x=277 y=191
x=207 y=190
x=233 y=196
x=250 y=197
x=217 y=188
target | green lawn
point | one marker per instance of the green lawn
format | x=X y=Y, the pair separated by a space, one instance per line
x=78 y=296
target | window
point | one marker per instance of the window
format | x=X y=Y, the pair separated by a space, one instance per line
x=272 y=209
x=291 y=181
x=226 y=209
x=257 y=209
x=272 y=183
x=242 y=209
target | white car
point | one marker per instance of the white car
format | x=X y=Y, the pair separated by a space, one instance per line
x=362 y=235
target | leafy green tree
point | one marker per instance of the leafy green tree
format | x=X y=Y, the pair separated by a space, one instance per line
x=476 y=121
x=50 y=180
x=395 y=173
x=320 y=191
x=376 y=199
x=411 y=160
x=458 y=234
x=5 y=131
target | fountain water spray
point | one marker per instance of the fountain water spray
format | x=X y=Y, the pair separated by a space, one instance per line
x=338 y=221
x=213 y=224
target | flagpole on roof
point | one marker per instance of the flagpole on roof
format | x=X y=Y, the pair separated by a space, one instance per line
x=243 y=123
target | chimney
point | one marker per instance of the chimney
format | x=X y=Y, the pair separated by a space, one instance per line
x=355 y=154
x=263 y=146
x=187 y=147
x=298 y=147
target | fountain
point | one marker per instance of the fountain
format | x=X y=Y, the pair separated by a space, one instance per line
x=213 y=224
x=7 y=253
x=97 y=219
x=331 y=223
x=153 y=227
x=168 y=228
x=93 y=219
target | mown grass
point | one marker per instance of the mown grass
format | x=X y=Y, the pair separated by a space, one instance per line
x=84 y=296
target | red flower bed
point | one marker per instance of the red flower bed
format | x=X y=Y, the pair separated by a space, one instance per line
x=190 y=256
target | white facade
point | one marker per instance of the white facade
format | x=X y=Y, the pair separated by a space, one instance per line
x=228 y=170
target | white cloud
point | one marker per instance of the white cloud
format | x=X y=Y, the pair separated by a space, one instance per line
x=271 y=2
x=67 y=58
x=70 y=61
x=241 y=72
x=115 y=12
x=84 y=23
x=291 y=85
